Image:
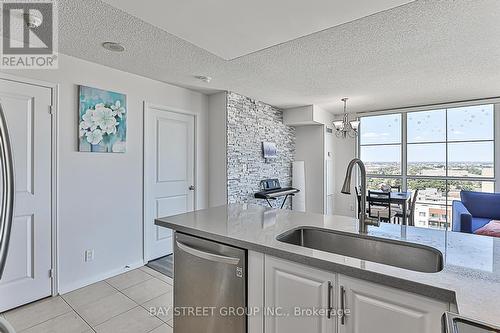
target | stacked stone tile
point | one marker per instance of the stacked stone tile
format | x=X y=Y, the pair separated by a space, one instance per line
x=249 y=122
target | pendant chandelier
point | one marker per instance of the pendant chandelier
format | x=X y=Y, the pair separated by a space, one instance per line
x=345 y=128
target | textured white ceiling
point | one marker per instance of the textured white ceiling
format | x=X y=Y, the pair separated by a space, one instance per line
x=234 y=28
x=427 y=51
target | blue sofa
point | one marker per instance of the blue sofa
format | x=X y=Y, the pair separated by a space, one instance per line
x=475 y=210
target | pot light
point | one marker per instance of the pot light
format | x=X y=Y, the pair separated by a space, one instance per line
x=114 y=47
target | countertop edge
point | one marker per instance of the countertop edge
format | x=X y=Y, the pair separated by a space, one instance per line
x=426 y=290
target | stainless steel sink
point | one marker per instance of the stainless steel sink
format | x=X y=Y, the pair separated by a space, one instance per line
x=454 y=323
x=410 y=256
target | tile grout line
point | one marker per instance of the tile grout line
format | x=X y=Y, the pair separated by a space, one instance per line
x=137 y=304
x=118 y=291
x=172 y=285
x=155 y=275
x=135 y=307
x=92 y=328
x=140 y=305
x=44 y=321
x=151 y=276
x=78 y=314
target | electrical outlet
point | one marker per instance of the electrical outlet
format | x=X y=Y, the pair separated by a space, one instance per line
x=89 y=255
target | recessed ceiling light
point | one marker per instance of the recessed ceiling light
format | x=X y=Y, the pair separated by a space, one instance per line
x=204 y=78
x=112 y=46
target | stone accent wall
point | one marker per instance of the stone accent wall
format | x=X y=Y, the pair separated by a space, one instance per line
x=249 y=122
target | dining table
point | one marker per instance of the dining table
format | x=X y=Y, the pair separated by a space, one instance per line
x=399 y=198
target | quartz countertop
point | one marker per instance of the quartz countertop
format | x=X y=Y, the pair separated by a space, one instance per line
x=470 y=277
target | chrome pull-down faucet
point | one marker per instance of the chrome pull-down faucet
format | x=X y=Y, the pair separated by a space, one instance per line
x=364 y=220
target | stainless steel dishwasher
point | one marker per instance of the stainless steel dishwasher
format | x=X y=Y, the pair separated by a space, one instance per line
x=209 y=286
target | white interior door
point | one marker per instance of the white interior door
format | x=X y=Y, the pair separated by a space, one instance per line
x=27 y=272
x=168 y=174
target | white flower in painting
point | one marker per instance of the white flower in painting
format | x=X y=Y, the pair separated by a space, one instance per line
x=83 y=132
x=103 y=116
x=118 y=109
x=87 y=122
x=110 y=129
x=94 y=137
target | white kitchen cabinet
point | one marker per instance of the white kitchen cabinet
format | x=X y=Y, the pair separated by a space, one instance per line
x=290 y=286
x=379 y=309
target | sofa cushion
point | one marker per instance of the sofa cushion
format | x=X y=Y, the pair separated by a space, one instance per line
x=478 y=222
x=492 y=229
x=481 y=204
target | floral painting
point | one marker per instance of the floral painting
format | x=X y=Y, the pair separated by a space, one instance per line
x=102 y=120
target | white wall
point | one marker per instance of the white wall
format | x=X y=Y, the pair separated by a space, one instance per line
x=303 y=115
x=100 y=195
x=309 y=147
x=217 y=141
x=330 y=187
x=317 y=149
x=343 y=152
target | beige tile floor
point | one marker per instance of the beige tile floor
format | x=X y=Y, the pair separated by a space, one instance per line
x=117 y=305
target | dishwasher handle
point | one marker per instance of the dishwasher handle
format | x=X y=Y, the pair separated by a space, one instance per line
x=207 y=255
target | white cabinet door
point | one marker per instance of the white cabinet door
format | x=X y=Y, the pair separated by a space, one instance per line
x=290 y=286
x=378 y=309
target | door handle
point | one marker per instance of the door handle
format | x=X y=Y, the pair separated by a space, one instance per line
x=330 y=305
x=342 y=305
x=207 y=255
x=191 y=187
x=7 y=204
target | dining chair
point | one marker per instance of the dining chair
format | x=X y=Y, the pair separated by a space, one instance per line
x=410 y=213
x=395 y=188
x=379 y=205
x=394 y=206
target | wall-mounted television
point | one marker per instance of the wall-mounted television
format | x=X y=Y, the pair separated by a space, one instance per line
x=269 y=150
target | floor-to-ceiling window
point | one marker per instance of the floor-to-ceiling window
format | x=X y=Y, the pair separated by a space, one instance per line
x=381 y=149
x=439 y=152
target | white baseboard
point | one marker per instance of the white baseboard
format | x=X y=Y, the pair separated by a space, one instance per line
x=97 y=278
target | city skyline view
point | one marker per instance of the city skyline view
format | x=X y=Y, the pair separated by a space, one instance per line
x=446 y=151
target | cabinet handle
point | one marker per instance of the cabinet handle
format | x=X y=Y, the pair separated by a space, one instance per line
x=330 y=305
x=342 y=304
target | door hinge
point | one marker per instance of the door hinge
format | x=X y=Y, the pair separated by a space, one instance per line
x=51 y=273
x=51 y=110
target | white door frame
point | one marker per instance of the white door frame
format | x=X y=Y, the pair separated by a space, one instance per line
x=157 y=107
x=54 y=87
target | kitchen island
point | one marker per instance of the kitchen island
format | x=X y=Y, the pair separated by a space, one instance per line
x=469 y=282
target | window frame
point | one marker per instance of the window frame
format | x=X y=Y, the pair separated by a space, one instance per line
x=400 y=144
x=404 y=177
